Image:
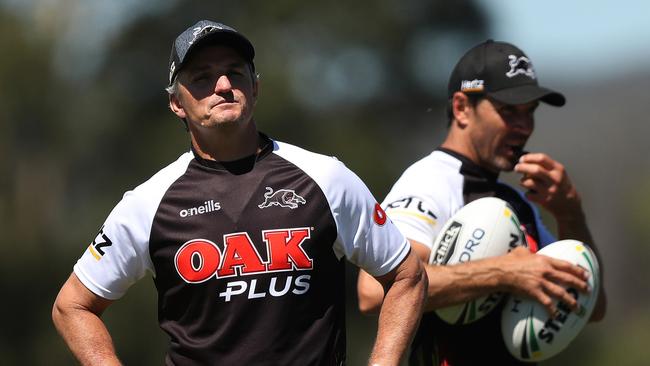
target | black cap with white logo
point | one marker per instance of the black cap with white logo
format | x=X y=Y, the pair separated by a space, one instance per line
x=199 y=33
x=501 y=71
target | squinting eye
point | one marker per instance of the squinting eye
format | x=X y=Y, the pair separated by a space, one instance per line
x=506 y=110
x=201 y=77
x=235 y=73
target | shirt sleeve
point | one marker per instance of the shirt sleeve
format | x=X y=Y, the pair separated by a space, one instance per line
x=118 y=256
x=418 y=217
x=366 y=236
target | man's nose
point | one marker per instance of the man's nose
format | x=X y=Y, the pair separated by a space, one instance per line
x=523 y=124
x=223 y=84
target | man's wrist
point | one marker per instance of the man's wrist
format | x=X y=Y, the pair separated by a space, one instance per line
x=571 y=214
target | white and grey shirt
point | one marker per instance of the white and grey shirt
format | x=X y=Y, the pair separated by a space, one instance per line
x=427 y=194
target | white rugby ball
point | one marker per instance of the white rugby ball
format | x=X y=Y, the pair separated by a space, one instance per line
x=529 y=332
x=483 y=228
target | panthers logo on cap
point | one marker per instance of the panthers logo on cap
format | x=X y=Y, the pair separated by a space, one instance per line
x=520 y=65
x=200 y=31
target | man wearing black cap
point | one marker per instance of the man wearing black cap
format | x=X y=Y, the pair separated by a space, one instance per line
x=245 y=236
x=493 y=94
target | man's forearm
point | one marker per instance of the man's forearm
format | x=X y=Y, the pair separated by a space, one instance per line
x=455 y=284
x=86 y=336
x=574 y=227
x=447 y=285
x=75 y=315
x=400 y=313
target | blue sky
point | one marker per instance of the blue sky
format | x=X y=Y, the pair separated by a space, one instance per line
x=576 y=40
x=573 y=41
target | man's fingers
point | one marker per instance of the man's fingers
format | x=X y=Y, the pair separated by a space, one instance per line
x=568 y=280
x=538 y=159
x=536 y=185
x=552 y=293
x=532 y=168
x=536 y=173
x=546 y=301
x=568 y=267
x=560 y=293
x=570 y=275
x=540 y=166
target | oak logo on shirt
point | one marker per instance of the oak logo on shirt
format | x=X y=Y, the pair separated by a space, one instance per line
x=101 y=241
x=282 y=197
x=198 y=260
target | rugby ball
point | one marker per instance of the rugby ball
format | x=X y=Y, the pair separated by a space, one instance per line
x=529 y=332
x=483 y=228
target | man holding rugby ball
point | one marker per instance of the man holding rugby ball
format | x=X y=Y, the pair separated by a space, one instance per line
x=493 y=94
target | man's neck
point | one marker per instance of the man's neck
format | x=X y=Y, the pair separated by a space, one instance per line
x=224 y=144
x=460 y=146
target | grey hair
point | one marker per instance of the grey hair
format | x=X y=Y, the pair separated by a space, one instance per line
x=173 y=89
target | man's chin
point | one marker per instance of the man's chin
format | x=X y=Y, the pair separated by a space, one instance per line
x=222 y=122
x=504 y=164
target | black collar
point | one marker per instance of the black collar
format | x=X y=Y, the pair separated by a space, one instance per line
x=470 y=168
x=239 y=166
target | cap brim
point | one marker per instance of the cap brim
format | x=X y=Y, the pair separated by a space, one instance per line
x=229 y=38
x=526 y=94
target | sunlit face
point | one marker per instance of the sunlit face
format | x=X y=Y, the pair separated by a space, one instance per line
x=500 y=132
x=216 y=88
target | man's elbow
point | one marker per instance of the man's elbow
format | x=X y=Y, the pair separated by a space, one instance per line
x=368 y=304
x=418 y=276
x=422 y=283
x=413 y=281
x=57 y=314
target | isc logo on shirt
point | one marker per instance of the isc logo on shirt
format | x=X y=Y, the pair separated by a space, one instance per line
x=199 y=260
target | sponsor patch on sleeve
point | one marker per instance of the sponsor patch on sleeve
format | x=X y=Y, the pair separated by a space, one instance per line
x=98 y=246
x=412 y=206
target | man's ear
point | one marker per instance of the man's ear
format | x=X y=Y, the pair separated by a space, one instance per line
x=462 y=109
x=176 y=106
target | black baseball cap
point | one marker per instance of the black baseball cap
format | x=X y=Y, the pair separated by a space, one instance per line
x=201 y=32
x=501 y=71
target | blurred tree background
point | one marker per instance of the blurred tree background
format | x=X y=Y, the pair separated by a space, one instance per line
x=84 y=117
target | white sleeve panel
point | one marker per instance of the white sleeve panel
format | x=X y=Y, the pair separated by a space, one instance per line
x=424 y=198
x=119 y=255
x=413 y=223
x=376 y=248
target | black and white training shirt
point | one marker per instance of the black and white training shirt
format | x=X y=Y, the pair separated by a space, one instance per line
x=247 y=263
x=422 y=200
